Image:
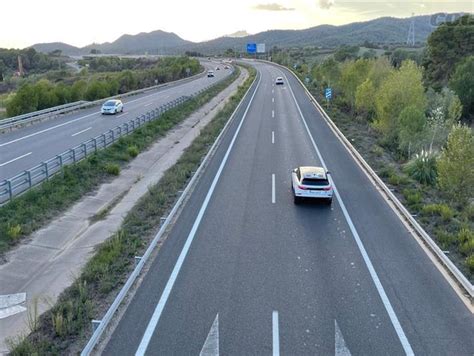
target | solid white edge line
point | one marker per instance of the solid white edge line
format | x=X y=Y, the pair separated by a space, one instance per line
x=15 y=159
x=174 y=274
x=275 y=334
x=383 y=295
x=82 y=131
x=273 y=188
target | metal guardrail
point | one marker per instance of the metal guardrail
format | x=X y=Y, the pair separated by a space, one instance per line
x=62 y=109
x=11 y=121
x=450 y=267
x=9 y=188
x=102 y=324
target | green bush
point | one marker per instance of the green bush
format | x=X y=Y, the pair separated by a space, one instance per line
x=456 y=165
x=413 y=198
x=423 y=168
x=470 y=263
x=133 y=151
x=396 y=179
x=466 y=241
x=444 y=238
x=112 y=168
x=442 y=210
x=14 y=231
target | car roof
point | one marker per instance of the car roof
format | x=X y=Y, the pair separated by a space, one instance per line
x=278 y=78
x=113 y=101
x=312 y=172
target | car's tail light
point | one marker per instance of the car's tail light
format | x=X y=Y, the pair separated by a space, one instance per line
x=302 y=188
x=327 y=188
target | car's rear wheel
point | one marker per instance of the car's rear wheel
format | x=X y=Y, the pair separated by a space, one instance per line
x=329 y=201
x=296 y=199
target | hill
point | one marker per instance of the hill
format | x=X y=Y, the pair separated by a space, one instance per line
x=384 y=30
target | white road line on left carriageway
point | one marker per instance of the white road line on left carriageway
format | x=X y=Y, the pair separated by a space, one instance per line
x=15 y=159
x=78 y=119
x=82 y=131
x=275 y=334
x=273 y=189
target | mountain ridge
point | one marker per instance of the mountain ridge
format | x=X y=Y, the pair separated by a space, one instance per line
x=383 y=30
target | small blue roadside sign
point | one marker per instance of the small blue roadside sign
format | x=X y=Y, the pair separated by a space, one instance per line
x=251 y=48
x=328 y=93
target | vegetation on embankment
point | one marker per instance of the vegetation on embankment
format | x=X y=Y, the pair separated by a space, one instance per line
x=32 y=210
x=43 y=94
x=411 y=124
x=65 y=328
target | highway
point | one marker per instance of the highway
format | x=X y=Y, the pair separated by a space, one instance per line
x=244 y=271
x=28 y=146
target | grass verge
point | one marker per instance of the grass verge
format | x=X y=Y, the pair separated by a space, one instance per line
x=32 y=210
x=65 y=328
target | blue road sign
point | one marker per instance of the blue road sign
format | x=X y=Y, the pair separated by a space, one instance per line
x=251 y=48
x=328 y=93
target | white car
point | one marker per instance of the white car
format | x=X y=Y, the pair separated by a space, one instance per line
x=279 y=81
x=112 y=107
x=210 y=73
x=311 y=183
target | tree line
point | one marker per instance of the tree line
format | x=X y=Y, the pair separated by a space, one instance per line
x=45 y=94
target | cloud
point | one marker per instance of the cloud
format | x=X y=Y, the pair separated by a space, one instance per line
x=272 y=7
x=326 y=4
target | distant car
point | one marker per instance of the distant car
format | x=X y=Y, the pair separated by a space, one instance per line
x=279 y=81
x=218 y=68
x=112 y=107
x=311 y=183
x=210 y=73
x=226 y=67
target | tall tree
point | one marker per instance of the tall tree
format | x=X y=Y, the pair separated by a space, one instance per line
x=462 y=82
x=449 y=44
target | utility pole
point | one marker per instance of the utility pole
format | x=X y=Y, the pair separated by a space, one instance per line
x=411 y=32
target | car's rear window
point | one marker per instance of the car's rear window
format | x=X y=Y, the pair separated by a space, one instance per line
x=315 y=182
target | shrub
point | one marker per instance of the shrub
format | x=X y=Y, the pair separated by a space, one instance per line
x=423 y=168
x=132 y=151
x=456 y=165
x=470 y=263
x=466 y=241
x=442 y=210
x=396 y=179
x=444 y=238
x=377 y=150
x=14 y=231
x=112 y=168
x=413 y=198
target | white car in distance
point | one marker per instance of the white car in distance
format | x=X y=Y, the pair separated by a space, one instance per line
x=112 y=107
x=311 y=183
x=279 y=81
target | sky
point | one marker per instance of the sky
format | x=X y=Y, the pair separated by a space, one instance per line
x=83 y=22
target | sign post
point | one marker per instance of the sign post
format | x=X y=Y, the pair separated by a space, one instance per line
x=328 y=95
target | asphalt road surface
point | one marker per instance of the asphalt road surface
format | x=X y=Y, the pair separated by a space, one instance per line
x=26 y=147
x=246 y=272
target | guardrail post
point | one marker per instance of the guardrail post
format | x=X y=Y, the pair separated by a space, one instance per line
x=60 y=159
x=95 y=144
x=137 y=260
x=95 y=324
x=73 y=151
x=28 y=175
x=112 y=135
x=105 y=140
x=9 y=187
x=85 y=149
x=46 y=171
x=126 y=127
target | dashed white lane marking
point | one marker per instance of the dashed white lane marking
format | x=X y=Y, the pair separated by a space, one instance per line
x=273 y=136
x=275 y=334
x=273 y=188
x=78 y=133
x=122 y=114
x=15 y=159
x=148 y=104
x=273 y=113
x=211 y=345
x=155 y=318
x=373 y=274
x=340 y=348
x=273 y=100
